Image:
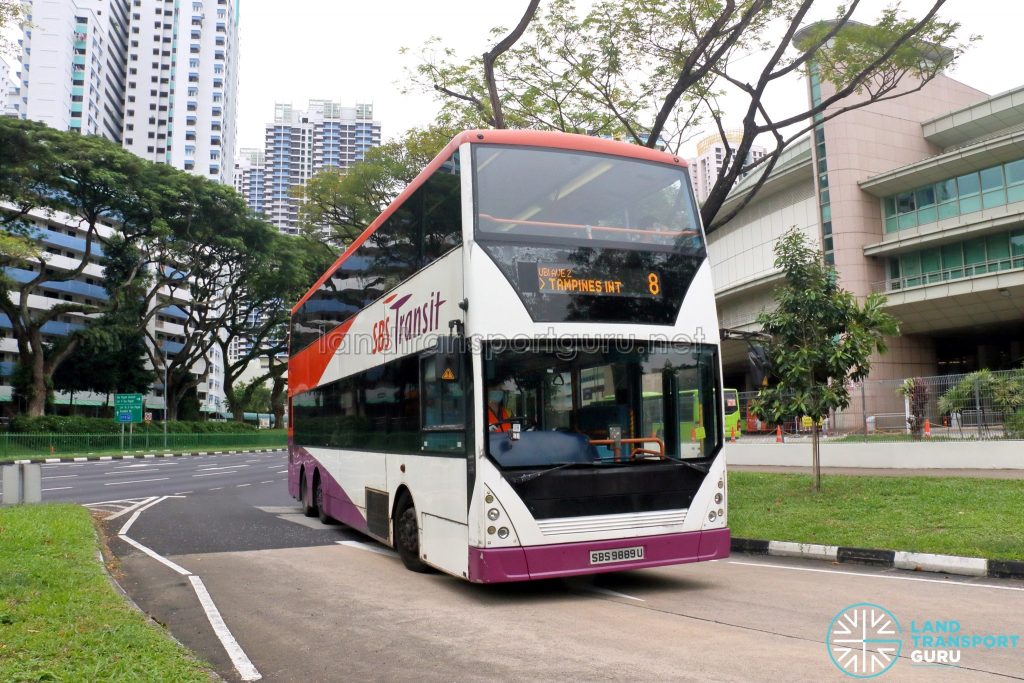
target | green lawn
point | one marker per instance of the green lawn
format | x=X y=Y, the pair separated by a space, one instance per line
x=61 y=619
x=946 y=515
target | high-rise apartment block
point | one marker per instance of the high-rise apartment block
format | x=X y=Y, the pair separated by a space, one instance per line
x=711 y=155
x=73 y=65
x=158 y=76
x=300 y=144
x=250 y=177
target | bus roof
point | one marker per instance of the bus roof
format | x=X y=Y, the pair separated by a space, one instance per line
x=523 y=138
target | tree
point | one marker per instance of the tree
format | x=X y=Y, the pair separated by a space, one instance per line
x=111 y=354
x=915 y=390
x=10 y=15
x=655 y=72
x=210 y=246
x=258 y=311
x=343 y=202
x=109 y=192
x=252 y=397
x=821 y=340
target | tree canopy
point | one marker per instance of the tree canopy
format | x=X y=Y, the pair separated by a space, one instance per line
x=655 y=73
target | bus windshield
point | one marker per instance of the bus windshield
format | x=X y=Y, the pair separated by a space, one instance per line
x=602 y=402
x=564 y=197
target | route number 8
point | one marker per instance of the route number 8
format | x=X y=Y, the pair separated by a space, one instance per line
x=653 y=285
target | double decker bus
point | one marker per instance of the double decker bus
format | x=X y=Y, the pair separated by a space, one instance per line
x=493 y=376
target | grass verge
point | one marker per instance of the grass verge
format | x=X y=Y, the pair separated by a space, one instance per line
x=61 y=619
x=946 y=515
x=40 y=453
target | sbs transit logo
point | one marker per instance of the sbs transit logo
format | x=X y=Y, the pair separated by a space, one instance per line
x=864 y=640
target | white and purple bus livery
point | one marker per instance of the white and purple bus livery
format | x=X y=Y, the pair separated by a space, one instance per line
x=498 y=377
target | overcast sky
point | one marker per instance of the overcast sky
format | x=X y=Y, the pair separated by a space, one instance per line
x=348 y=51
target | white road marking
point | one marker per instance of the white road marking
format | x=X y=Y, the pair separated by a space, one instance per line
x=61 y=476
x=156 y=556
x=211 y=474
x=138 y=511
x=282 y=472
x=182 y=493
x=225 y=467
x=242 y=486
x=614 y=594
x=267 y=482
x=57 y=488
x=216 y=489
x=373 y=548
x=242 y=664
x=136 y=481
x=130 y=507
x=880 y=576
x=117 y=474
x=274 y=467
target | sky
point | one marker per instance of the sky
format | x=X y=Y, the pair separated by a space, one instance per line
x=349 y=51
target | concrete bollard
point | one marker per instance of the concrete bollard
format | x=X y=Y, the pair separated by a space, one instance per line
x=31 y=484
x=12 y=484
x=23 y=483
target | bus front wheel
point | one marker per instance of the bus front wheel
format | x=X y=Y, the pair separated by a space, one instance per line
x=407 y=535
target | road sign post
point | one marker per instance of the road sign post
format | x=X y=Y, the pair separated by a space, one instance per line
x=127 y=411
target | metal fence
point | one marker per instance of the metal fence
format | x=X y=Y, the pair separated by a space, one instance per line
x=16 y=445
x=946 y=407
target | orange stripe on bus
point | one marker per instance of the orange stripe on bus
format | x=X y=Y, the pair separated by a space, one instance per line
x=307 y=366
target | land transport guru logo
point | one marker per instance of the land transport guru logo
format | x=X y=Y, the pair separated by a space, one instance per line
x=865 y=640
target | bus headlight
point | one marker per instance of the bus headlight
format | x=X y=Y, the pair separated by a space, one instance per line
x=493 y=514
x=718 y=499
x=503 y=532
x=490 y=530
x=712 y=515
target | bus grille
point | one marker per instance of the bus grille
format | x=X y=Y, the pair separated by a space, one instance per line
x=638 y=520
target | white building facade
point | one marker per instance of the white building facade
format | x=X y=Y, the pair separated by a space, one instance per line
x=73 y=66
x=182 y=84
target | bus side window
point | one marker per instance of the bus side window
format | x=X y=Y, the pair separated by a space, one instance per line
x=443 y=408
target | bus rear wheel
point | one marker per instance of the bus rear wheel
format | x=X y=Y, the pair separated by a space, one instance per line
x=306 y=496
x=407 y=535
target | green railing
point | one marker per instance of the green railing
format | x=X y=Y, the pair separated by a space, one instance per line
x=15 y=445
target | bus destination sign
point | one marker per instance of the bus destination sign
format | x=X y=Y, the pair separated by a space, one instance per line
x=563 y=278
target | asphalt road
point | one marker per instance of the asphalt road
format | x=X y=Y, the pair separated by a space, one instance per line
x=90 y=482
x=311 y=602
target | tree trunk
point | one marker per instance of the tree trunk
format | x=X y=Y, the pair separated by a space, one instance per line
x=37 y=401
x=815 y=457
x=277 y=401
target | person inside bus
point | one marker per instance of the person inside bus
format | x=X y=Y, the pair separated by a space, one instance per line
x=497 y=414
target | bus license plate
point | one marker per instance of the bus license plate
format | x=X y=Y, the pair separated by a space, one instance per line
x=617 y=555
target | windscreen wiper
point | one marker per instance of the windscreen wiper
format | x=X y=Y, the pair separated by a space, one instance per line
x=530 y=476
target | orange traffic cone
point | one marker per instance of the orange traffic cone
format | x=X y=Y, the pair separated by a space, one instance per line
x=927 y=429
x=778 y=434
x=733 y=433
x=693 y=434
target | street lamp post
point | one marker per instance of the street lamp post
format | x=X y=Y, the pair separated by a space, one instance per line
x=167 y=404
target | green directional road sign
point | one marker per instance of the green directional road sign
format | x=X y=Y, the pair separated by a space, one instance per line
x=128 y=408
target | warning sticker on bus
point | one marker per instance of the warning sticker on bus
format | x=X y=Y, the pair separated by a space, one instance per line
x=563 y=278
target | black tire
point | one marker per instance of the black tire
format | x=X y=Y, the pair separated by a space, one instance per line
x=407 y=535
x=306 y=496
x=318 y=501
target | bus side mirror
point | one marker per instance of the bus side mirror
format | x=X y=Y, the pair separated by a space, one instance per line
x=449 y=359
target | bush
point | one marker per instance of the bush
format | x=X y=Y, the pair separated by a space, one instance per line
x=60 y=424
